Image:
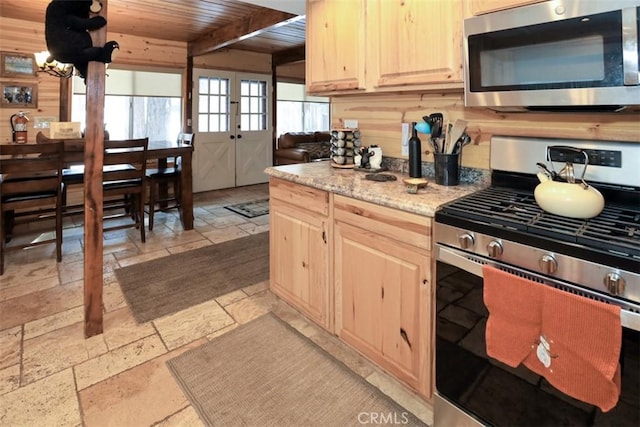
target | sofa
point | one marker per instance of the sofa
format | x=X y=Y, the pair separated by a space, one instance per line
x=302 y=147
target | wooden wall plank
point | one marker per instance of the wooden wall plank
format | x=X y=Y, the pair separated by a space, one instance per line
x=27 y=37
x=380 y=118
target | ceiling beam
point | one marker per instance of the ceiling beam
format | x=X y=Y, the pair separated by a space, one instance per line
x=295 y=54
x=242 y=29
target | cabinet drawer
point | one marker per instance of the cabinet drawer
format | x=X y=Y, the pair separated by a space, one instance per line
x=308 y=198
x=403 y=226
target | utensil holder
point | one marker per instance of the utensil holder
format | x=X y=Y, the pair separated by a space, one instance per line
x=447 y=167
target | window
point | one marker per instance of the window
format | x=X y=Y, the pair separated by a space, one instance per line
x=137 y=104
x=300 y=113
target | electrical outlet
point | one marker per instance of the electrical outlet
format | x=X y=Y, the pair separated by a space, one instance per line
x=351 y=124
x=405 y=139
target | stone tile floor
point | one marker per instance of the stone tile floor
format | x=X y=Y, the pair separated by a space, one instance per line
x=50 y=375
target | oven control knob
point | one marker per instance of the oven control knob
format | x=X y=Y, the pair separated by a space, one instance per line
x=548 y=264
x=614 y=283
x=494 y=248
x=466 y=240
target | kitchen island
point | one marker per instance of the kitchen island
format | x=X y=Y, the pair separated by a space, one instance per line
x=355 y=257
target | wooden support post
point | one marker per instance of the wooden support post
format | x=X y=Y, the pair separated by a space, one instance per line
x=188 y=109
x=93 y=197
x=274 y=110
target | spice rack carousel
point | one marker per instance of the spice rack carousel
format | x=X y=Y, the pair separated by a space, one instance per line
x=345 y=144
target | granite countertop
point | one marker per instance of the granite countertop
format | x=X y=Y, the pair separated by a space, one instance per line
x=393 y=194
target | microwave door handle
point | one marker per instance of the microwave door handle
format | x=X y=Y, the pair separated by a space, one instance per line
x=630 y=47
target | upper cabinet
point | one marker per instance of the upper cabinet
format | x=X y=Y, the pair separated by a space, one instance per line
x=358 y=46
x=479 y=7
x=416 y=43
x=335 y=45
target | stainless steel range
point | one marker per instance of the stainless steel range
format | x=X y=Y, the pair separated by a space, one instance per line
x=503 y=226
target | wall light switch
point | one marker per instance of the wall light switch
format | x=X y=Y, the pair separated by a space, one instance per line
x=351 y=124
x=405 y=139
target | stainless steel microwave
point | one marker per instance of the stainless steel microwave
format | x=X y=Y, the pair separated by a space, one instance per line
x=559 y=54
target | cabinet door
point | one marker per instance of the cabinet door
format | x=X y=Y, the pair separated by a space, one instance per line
x=335 y=45
x=485 y=6
x=299 y=259
x=383 y=302
x=420 y=42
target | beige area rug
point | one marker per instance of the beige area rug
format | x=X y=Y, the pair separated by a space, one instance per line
x=265 y=373
x=250 y=209
x=167 y=285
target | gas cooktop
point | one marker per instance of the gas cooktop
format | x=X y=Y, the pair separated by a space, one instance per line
x=515 y=215
x=508 y=208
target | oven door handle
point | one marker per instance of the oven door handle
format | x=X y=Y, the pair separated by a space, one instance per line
x=460 y=260
x=473 y=264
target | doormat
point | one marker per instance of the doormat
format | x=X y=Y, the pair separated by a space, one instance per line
x=250 y=209
x=169 y=284
x=265 y=373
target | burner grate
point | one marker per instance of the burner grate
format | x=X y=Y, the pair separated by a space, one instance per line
x=616 y=229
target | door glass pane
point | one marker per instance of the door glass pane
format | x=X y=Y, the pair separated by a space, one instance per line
x=203 y=123
x=203 y=85
x=202 y=104
x=215 y=87
x=213 y=114
x=253 y=102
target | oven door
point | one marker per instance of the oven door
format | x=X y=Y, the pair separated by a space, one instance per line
x=473 y=389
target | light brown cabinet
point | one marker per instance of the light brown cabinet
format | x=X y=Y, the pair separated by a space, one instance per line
x=415 y=43
x=383 y=290
x=479 y=7
x=299 y=248
x=380 y=45
x=360 y=270
x=334 y=45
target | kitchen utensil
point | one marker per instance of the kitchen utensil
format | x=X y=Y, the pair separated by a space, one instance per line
x=571 y=199
x=452 y=137
x=437 y=123
x=423 y=127
x=464 y=140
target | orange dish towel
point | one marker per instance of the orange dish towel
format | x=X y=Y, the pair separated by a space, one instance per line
x=580 y=347
x=515 y=315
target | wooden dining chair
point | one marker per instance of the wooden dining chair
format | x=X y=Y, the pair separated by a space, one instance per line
x=124 y=186
x=30 y=191
x=161 y=178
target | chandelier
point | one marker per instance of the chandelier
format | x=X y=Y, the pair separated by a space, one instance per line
x=46 y=64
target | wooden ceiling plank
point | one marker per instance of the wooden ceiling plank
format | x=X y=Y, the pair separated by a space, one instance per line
x=250 y=26
x=288 y=56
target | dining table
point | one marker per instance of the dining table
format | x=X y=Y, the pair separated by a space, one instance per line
x=159 y=150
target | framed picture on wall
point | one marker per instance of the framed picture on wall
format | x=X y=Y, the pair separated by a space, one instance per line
x=19 y=95
x=17 y=65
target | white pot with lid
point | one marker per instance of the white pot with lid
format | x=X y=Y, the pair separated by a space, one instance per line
x=570 y=198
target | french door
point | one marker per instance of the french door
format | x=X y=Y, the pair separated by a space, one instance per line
x=232 y=120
